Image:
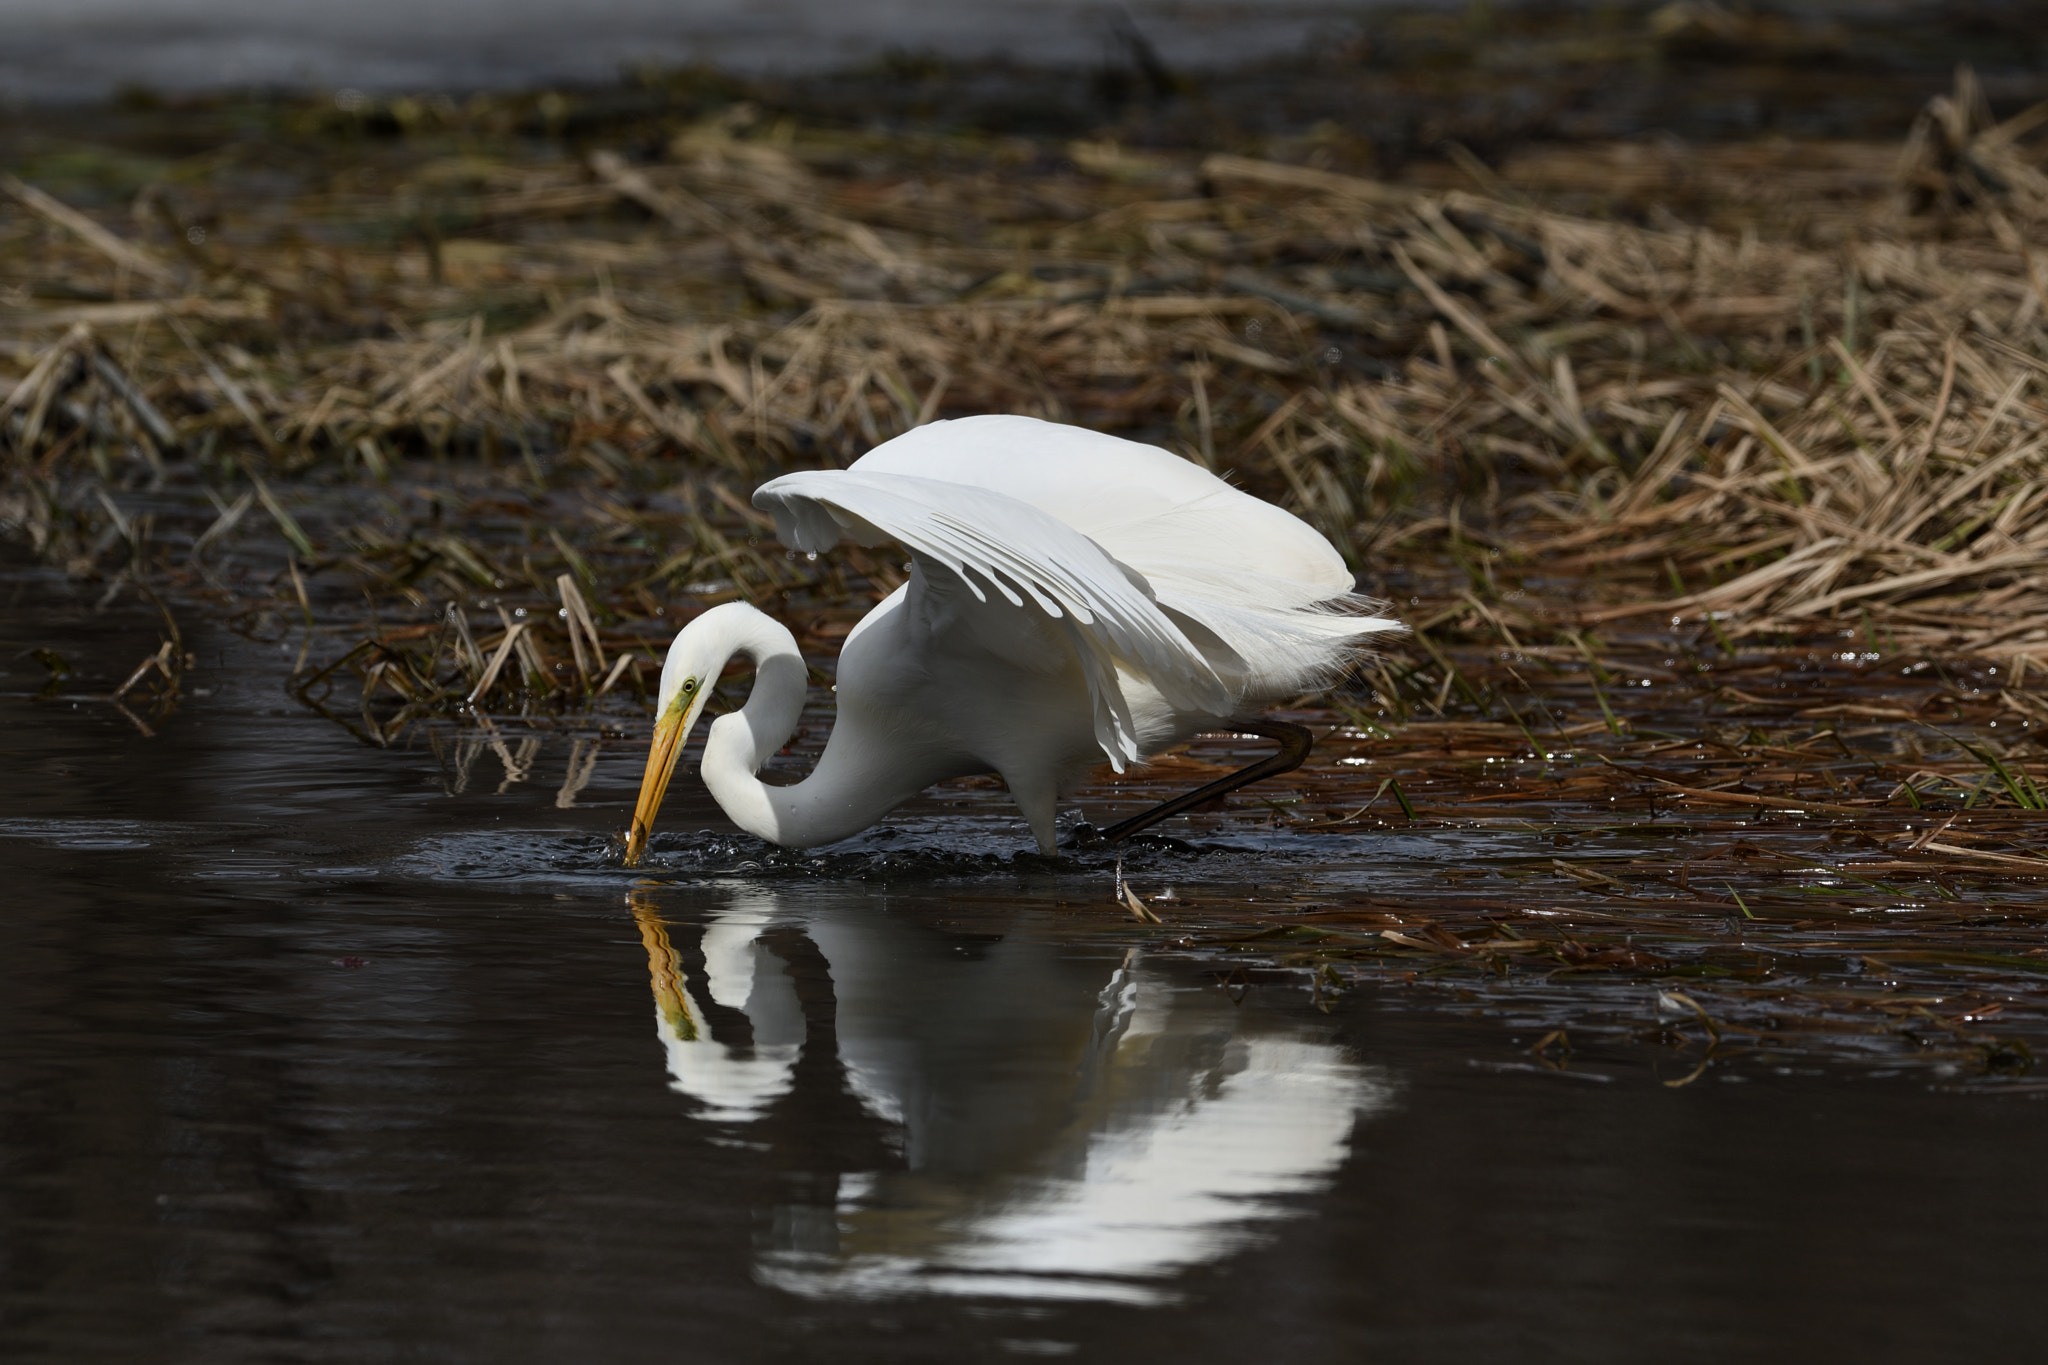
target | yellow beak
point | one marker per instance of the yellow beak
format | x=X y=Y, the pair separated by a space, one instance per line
x=669 y=733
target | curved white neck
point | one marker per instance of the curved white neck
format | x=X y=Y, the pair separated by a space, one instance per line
x=853 y=785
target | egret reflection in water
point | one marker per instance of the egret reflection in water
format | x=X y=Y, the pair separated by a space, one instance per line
x=992 y=1115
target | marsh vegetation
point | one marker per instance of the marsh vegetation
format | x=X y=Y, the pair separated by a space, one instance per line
x=1709 y=479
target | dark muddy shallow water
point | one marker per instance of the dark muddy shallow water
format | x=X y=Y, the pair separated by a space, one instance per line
x=71 y=50
x=306 y=1054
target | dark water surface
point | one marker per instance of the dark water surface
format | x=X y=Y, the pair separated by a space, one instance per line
x=306 y=1054
x=70 y=50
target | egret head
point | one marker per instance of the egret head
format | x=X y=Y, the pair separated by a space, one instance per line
x=694 y=661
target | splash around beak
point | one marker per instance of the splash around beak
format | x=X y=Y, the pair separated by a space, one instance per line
x=669 y=733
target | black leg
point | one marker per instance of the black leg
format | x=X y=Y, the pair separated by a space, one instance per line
x=1295 y=742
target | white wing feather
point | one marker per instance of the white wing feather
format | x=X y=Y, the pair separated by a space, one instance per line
x=1140 y=503
x=1272 y=598
x=1019 y=551
x=1152 y=563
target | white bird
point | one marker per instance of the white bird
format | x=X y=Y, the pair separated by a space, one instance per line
x=1073 y=597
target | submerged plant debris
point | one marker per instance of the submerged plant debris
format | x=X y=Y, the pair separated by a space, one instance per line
x=1720 y=534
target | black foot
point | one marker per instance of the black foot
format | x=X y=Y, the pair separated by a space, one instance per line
x=1295 y=742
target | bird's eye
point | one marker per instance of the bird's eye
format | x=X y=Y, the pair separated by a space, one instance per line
x=689 y=686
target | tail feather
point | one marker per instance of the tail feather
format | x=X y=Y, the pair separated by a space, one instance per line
x=1263 y=652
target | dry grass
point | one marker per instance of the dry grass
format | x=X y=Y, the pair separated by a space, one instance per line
x=1822 y=429
x=580 y=367
x=1818 y=429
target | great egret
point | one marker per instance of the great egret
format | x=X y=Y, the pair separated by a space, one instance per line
x=1072 y=596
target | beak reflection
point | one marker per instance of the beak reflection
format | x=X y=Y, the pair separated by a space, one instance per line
x=729 y=1020
x=996 y=1116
